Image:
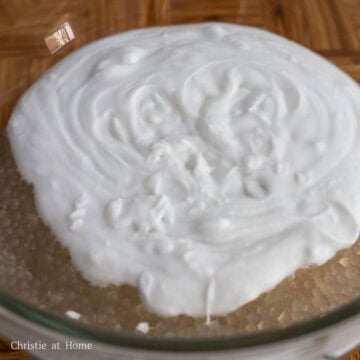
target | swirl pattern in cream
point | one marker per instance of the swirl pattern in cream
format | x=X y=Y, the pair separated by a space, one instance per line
x=201 y=163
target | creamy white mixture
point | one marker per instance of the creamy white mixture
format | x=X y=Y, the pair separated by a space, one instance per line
x=73 y=315
x=143 y=327
x=201 y=163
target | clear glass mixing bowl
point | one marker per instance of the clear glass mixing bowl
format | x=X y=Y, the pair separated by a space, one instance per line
x=33 y=38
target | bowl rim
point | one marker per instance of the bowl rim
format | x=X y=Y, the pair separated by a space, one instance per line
x=174 y=344
x=80 y=331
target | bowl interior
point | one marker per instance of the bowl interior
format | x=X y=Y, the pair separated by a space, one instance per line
x=38 y=272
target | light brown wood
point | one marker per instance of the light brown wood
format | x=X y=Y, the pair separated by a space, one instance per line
x=353 y=355
x=329 y=27
x=7 y=354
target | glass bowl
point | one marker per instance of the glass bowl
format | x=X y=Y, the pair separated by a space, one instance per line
x=37 y=34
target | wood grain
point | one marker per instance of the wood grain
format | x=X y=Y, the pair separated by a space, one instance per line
x=329 y=27
x=7 y=354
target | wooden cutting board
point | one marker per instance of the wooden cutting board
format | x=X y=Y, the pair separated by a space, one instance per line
x=329 y=27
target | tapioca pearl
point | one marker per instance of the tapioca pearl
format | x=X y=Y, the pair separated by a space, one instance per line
x=281 y=168
x=320 y=146
x=252 y=162
x=302 y=178
x=261 y=141
x=257 y=188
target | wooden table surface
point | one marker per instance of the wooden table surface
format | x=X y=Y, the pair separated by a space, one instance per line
x=329 y=27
